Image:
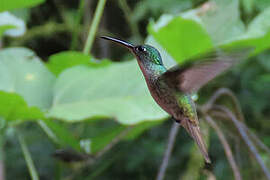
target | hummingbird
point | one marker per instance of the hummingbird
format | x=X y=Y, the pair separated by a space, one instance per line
x=172 y=89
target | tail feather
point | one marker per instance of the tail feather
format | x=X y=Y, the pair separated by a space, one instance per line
x=195 y=133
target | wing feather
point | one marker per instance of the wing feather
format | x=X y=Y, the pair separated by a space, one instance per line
x=191 y=76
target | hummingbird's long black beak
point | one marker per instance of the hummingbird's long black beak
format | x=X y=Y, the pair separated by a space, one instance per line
x=119 y=41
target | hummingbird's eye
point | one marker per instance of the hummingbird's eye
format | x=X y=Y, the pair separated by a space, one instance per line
x=141 y=49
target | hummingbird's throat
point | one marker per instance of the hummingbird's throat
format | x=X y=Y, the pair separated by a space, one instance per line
x=151 y=70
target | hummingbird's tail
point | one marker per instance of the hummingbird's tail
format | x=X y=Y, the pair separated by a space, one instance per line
x=195 y=133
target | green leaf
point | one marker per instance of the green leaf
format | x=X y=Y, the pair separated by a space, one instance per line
x=3 y=28
x=21 y=71
x=214 y=14
x=13 y=107
x=257 y=35
x=222 y=20
x=260 y=25
x=180 y=41
x=259 y=43
x=63 y=60
x=262 y=4
x=140 y=128
x=248 y=5
x=181 y=38
x=7 y=5
x=168 y=61
x=11 y=25
x=118 y=91
x=144 y=7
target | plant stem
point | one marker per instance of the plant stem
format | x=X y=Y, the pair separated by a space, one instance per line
x=246 y=139
x=226 y=146
x=99 y=170
x=113 y=142
x=93 y=27
x=225 y=92
x=91 y=160
x=28 y=159
x=48 y=131
x=132 y=24
x=48 y=29
x=74 y=40
x=167 y=154
x=256 y=139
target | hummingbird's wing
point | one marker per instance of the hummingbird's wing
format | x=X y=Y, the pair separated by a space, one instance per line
x=190 y=77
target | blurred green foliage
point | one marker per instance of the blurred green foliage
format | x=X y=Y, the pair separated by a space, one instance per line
x=56 y=97
x=13 y=107
x=10 y=5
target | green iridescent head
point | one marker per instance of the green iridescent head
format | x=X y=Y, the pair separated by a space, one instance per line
x=147 y=55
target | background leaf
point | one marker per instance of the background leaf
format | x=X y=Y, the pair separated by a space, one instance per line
x=4 y=28
x=262 y=4
x=138 y=129
x=83 y=92
x=170 y=33
x=257 y=34
x=91 y=96
x=21 y=71
x=67 y=59
x=17 y=25
x=7 y=5
x=248 y=5
x=143 y=7
x=215 y=14
x=13 y=107
x=63 y=60
x=259 y=26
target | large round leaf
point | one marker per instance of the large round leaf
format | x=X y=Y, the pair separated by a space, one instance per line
x=21 y=71
x=182 y=38
x=118 y=91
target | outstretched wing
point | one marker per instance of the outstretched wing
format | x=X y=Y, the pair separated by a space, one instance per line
x=191 y=76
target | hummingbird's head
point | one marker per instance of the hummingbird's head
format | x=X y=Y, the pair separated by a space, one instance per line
x=146 y=55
